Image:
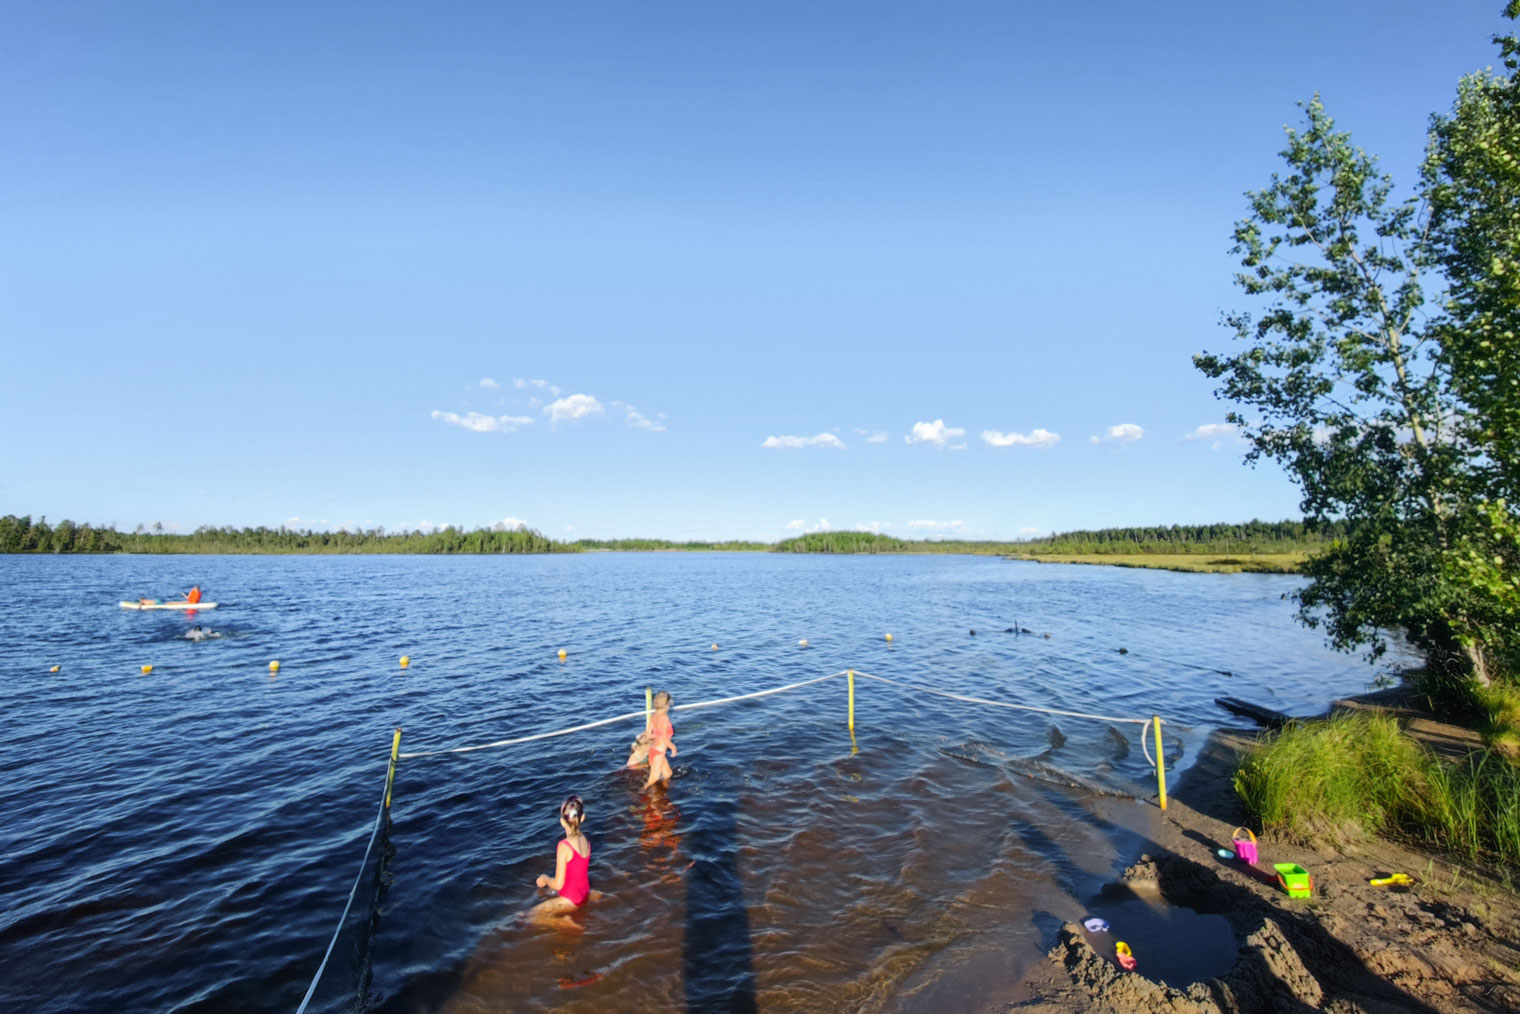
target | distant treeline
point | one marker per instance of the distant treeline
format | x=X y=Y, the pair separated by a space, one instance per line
x=22 y=535
x=1250 y=537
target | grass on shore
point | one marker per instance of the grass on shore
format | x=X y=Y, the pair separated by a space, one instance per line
x=1256 y=563
x=1355 y=772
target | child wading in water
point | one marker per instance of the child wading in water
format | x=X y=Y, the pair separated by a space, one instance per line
x=661 y=738
x=571 y=879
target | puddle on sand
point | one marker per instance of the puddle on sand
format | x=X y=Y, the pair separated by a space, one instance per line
x=1171 y=944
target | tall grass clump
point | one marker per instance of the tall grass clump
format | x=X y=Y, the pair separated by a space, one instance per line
x=1360 y=772
x=1326 y=778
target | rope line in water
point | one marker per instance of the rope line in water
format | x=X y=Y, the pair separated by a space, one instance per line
x=1002 y=704
x=766 y=693
x=353 y=891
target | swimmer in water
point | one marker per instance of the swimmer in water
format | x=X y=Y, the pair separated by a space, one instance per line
x=661 y=738
x=570 y=883
x=198 y=634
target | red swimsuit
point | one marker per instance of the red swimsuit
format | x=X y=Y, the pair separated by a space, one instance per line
x=577 y=880
x=661 y=732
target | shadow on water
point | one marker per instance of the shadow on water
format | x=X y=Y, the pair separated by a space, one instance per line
x=717 y=960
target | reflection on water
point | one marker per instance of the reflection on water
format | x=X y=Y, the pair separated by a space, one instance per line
x=186 y=839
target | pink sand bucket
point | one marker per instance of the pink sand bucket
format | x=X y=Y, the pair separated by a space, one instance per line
x=1245 y=844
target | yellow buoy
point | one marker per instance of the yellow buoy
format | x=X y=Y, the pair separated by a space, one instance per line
x=147 y=669
x=56 y=668
x=274 y=666
x=889 y=637
x=715 y=647
x=562 y=654
x=802 y=643
x=406 y=660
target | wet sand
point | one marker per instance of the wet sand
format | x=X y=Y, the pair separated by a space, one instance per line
x=1450 y=942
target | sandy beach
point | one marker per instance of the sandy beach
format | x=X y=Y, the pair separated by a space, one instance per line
x=1448 y=942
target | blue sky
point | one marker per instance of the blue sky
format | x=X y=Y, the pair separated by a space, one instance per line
x=686 y=270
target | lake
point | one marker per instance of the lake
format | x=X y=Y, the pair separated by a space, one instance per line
x=186 y=839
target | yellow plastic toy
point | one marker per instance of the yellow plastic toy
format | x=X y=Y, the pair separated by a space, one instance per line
x=1395 y=880
x=1124 y=956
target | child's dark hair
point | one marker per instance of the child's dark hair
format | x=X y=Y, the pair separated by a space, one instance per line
x=572 y=811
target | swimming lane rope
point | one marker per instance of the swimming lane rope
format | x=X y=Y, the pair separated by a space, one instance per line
x=1001 y=704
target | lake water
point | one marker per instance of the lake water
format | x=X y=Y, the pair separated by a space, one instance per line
x=185 y=840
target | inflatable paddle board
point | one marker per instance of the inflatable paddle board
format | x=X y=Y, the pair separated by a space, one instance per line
x=181 y=604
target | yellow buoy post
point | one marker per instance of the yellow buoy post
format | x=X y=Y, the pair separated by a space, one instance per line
x=715 y=647
x=802 y=643
x=1160 y=761
x=562 y=654
x=889 y=637
x=390 y=772
x=648 y=705
x=406 y=660
x=851 y=674
x=274 y=666
x=147 y=669
x=55 y=668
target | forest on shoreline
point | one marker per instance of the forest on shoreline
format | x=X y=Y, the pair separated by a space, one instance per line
x=23 y=535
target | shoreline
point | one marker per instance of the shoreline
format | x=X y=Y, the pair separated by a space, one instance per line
x=1446 y=943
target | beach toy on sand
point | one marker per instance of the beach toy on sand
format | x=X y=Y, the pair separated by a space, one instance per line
x=1392 y=880
x=1225 y=854
x=1245 y=844
x=1295 y=880
x=1123 y=955
x=1096 y=925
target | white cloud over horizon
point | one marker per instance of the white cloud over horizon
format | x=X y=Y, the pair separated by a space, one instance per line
x=1123 y=433
x=1034 y=438
x=639 y=421
x=477 y=423
x=572 y=408
x=872 y=436
x=542 y=385
x=509 y=524
x=1216 y=434
x=936 y=526
x=821 y=440
x=822 y=525
x=489 y=384
x=936 y=433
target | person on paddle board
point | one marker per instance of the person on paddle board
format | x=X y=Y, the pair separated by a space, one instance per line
x=193 y=595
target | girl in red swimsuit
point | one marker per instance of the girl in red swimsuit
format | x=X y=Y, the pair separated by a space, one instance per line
x=661 y=738
x=571 y=858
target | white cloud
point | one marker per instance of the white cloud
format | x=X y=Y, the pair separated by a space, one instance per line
x=936 y=433
x=640 y=421
x=577 y=406
x=1124 y=433
x=489 y=384
x=510 y=525
x=821 y=525
x=1213 y=431
x=821 y=440
x=569 y=528
x=796 y=526
x=542 y=385
x=1034 y=438
x=477 y=423
x=1029 y=531
x=958 y=447
x=872 y=526
x=872 y=436
x=937 y=526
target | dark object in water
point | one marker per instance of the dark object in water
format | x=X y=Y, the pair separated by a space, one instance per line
x=1047 y=635
x=1255 y=712
x=1009 y=630
x=1124 y=651
x=1026 y=630
x=973 y=633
